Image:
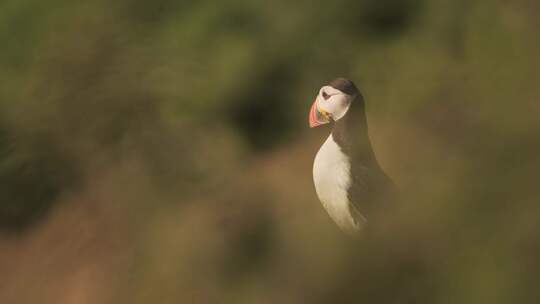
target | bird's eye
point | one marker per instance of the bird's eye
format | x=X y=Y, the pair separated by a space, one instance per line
x=325 y=96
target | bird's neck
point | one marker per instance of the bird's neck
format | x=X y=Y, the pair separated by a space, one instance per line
x=351 y=133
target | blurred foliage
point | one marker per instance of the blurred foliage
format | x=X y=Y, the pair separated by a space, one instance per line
x=159 y=151
x=31 y=177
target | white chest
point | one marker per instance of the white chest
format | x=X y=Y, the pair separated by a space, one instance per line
x=331 y=175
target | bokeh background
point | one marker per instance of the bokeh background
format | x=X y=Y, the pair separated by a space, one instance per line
x=158 y=151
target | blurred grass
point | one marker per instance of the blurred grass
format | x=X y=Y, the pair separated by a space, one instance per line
x=159 y=152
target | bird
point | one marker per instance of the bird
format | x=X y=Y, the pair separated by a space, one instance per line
x=348 y=179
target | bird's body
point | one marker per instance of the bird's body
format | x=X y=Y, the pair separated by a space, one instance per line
x=332 y=179
x=348 y=179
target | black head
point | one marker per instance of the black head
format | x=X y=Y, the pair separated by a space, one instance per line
x=344 y=85
x=334 y=101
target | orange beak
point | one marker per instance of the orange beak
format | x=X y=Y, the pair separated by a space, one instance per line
x=317 y=118
x=313 y=121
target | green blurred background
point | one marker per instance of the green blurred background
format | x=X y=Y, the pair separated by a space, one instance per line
x=158 y=152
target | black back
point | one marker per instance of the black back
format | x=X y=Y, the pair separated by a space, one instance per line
x=371 y=190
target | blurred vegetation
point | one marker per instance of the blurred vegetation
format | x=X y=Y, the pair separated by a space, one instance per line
x=159 y=151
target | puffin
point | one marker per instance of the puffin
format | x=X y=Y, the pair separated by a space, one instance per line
x=350 y=183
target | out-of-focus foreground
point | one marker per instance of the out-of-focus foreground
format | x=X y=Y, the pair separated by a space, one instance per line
x=158 y=151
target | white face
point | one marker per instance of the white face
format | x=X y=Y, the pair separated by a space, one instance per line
x=333 y=102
